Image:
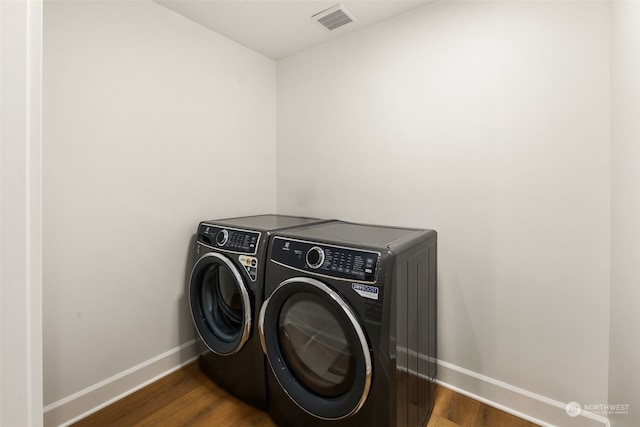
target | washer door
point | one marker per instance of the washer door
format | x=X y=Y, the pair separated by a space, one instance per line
x=220 y=304
x=316 y=348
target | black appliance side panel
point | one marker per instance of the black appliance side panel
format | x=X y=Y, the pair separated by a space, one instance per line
x=415 y=334
x=432 y=349
x=415 y=286
x=402 y=342
x=423 y=397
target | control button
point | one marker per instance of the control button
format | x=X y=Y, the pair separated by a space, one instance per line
x=222 y=237
x=315 y=257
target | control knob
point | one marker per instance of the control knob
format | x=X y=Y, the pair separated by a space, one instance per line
x=315 y=257
x=222 y=237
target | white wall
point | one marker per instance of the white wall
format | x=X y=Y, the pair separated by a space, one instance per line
x=20 y=214
x=624 y=380
x=489 y=122
x=151 y=124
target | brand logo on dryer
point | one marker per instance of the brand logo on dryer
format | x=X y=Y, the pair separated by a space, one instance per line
x=365 y=291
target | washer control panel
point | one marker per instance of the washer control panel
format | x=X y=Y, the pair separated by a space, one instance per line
x=229 y=239
x=326 y=260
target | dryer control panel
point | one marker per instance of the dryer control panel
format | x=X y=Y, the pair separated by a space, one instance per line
x=229 y=239
x=326 y=260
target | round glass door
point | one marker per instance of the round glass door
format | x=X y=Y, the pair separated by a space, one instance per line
x=316 y=348
x=220 y=304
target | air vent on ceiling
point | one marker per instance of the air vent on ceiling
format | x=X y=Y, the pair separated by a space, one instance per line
x=334 y=17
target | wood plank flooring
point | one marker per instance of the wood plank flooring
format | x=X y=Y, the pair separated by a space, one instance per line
x=188 y=398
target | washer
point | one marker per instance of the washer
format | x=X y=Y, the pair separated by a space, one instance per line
x=349 y=325
x=225 y=292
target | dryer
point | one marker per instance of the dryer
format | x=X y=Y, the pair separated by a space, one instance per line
x=348 y=325
x=225 y=293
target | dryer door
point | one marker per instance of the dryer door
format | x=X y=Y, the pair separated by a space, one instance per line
x=220 y=304
x=316 y=348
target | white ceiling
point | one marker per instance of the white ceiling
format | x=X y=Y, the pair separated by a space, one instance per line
x=280 y=28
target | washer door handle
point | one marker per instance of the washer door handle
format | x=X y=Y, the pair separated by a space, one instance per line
x=263 y=310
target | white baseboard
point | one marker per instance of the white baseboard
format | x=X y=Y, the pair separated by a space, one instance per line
x=513 y=400
x=522 y=403
x=85 y=402
x=506 y=397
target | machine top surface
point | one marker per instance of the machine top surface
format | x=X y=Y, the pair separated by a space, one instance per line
x=265 y=222
x=365 y=235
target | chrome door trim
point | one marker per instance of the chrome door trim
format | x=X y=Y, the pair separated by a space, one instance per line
x=246 y=301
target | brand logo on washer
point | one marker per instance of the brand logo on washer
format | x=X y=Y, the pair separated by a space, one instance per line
x=365 y=291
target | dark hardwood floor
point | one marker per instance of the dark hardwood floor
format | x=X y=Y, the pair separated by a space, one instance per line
x=188 y=398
